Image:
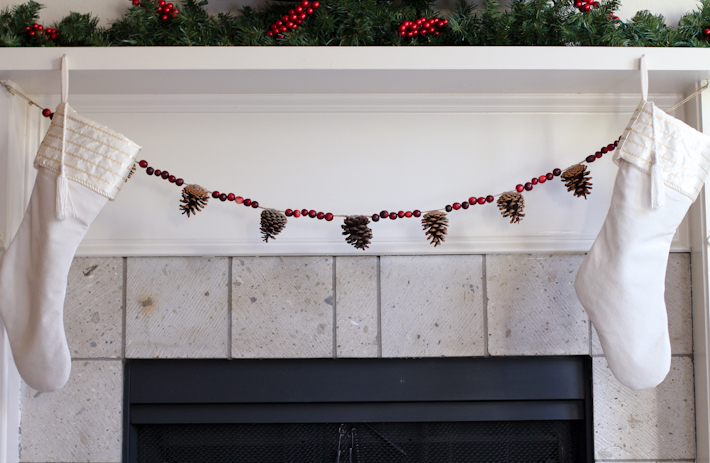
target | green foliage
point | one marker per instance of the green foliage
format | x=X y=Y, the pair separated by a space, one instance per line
x=365 y=23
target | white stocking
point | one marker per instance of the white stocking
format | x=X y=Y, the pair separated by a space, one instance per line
x=79 y=170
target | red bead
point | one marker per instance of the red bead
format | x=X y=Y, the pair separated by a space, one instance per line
x=309 y=11
x=305 y=3
x=149 y=171
x=490 y=198
x=143 y=164
x=158 y=172
x=533 y=181
x=46 y=112
x=315 y=4
x=215 y=194
x=400 y=214
x=587 y=7
x=519 y=188
x=230 y=196
x=136 y=2
x=247 y=202
x=457 y=206
x=297 y=213
x=223 y=197
x=238 y=200
x=164 y=17
x=384 y=214
x=408 y=214
x=417 y=213
x=542 y=179
x=172 y=179
x=481 y=200
x=255 y=204
x=304 y=212
x=270 y=34
x=329 y=217
x=616 y=143
x=448 y=208
x=165 y=175
x=321 y=215
x=598 y=154
x=549 y=176
x=179 y=182
x=707 y=32
x=528 y=186
x=472 y=200
x=375 y=217
x=557 y=172
x=611 y=147
x=302 y=16
x=465 y=205
x=32 y=33
x=299 y=9
x=288 y=212
x=312 y=213
x=291 y=11
x=591 y=158
x=393 y=215
x=604 y=150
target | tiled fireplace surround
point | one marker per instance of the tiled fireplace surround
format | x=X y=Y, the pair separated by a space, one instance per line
x=389 y=306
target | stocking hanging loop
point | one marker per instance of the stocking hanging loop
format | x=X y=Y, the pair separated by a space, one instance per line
x=64 y=203
x=65 y=79
x=644 y=78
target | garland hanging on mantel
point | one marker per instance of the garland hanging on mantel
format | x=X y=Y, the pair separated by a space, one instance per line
x=360 y=22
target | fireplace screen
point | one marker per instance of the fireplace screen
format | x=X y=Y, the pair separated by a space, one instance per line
x=482 y=410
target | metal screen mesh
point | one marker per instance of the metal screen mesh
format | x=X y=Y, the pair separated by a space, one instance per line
x=450 y=442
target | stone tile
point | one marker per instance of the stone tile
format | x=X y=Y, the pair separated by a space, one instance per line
x=282 y=307
x=176 y=307
x=431 y=306
x=80 y=422
x=657 y=423
x=532 y=306
x=93 y=312
x=678 y=304
x=356 y=306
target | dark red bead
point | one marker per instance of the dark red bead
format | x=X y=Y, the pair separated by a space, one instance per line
x=46 y=112
x=329 y=217
x=416 y=213
x=215 y=194
x=598 y=154
x=557 y=172
x=449 y=208
x=149 y=171
x=304 y=212
x=457 y=206
x=528 y=186
x=604 y=150
x=223 y=197
x=549 y=176
x=288 y=212
x=297 y=213
x=408 y=214
x=519 y=188
x=481 y=200
x=591 y=158
x=611 y=147
x=231 y=196
x=616 y=143
x=312 y=213
x=172 y=179
x=465 y=205
x=255 y=204
x=490 y=198
x=179 y=182
x=384 y=214
x=158 y=172
x=534 y=181
x=393 y=215
x=472 y=200
x=165 y=175
x=375 y=217
x=400 y=214
x=143 y=164
x=321 y=215
x=247 y=202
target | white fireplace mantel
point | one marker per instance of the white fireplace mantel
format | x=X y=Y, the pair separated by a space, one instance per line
x=504 y=112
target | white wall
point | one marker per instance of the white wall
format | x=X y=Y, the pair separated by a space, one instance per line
x=111 y=9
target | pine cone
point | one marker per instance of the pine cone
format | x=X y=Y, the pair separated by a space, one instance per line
x=272 y=223
x=511 y=205
x=133 y=171
x=435 y=224
x=359 y=234
x=577 y=179
x=194 y=198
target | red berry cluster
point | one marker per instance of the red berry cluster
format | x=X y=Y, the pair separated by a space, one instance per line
x=306 y=213
x=164 y=11
x=585 y=5
x=164 y=174
x=293 y=19
x=35 y=29
x=422 y=26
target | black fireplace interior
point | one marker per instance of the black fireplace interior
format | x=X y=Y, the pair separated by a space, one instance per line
x=439 y=410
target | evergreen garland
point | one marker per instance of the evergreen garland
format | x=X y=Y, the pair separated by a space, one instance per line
x=365 y=23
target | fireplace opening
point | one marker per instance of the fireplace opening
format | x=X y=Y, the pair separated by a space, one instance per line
x=483 y=410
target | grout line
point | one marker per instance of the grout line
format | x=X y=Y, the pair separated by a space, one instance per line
x=88 y=359
x=379 y=310
x=591 y=349
x=335 y=311
x=229 y=307
x=124 y=305
x=484 y=284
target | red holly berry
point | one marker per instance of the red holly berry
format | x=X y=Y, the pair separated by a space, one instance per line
x=706 y=32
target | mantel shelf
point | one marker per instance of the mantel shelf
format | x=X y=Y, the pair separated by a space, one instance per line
x=355 y=70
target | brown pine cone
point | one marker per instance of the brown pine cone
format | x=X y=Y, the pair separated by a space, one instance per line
x=194 y=199
x=435 y=225
x=357 y=231
x=511 y=205
x=272 y=223
x=577 y=179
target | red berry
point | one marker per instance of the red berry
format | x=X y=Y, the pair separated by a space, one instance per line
x=315 y=5
x=215 y=194
x=32 y=33
x=164 y=17
x=174 y=13
x=707 y=32
x=309 y=11
x=403 y=33
x=143 y=164
x=490 y=198
x=270 y=34
x=445 y=21
x=165 y=175
x=417 y=213
x=542 y=179
x=247 y=202
x=393 y=215
x=400 y=214
x=304 y=212
x=329 y=217
x=591 y=158
x=223 y=197
x=239 y=200
x=149 y=171
x=231 y=196
x=291 y=11
x=472 y=200
x=158 y=172
x=533 y=181
x=46 y=112
x=557 y=172
x=136 y=2
x=448 y=208
x=457 y=206
x=302 y=16
x=384 y=214
x=254 y=204
x=375 y=217
x=312 y=213
x=528 y=186
x=299 y=9
x=604 y=150
x=179 y=182
x=549 y=176
x=320 y=215
x=172 y=179
x=611 y=147
x=297 y=213
x=598 y=154
x=408 y=214
x=288 y=212
x=481 y=200
x=587 y=7
x=305 y=3
x=519 y=188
